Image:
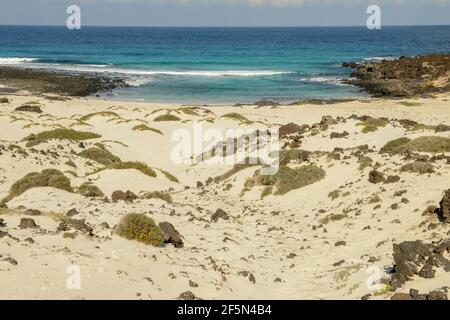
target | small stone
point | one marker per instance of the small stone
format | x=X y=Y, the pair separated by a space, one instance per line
x=219 y=214
x=27 y=223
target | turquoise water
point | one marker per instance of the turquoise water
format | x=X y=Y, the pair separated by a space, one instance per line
x=209 y=65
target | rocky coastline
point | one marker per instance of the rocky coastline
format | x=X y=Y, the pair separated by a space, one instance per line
x=50 y=82
x=405 y=77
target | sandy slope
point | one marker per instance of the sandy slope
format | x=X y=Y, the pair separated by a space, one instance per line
x=276 y=237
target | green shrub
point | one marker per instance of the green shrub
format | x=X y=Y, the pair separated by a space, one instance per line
x=169 y=176
x=236 y=116
x=4 y=100
x=167 y=117
x=47 y=178
x=372 y=125
x=137 y=226
x=430 y=144
x=101 y=156
x=162 y=195
x=89 y=190
x=61 y=134
x=100 y=114
x=287 y=179
x=142 y=167
x=144 y=127
x=396 y=146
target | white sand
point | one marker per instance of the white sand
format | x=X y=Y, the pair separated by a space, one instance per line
x=295 y=251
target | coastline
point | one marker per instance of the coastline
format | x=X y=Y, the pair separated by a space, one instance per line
x=264 y=248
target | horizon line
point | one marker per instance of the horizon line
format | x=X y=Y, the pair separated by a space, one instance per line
x=219 y=26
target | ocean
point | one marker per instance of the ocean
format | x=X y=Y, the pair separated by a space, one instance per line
x=217 y=65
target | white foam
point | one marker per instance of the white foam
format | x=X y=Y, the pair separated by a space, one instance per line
x=323 y=79
x=379 y=58
x=15 y=60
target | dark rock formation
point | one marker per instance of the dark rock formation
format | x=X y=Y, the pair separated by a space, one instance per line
x=413 y=258
x=290 y=128
x=404 y=77
x=26 y=223
x=74 y=224
x=42 y=81
x=124 y=196
x=438 y=294
x=171 y=235
x=376 y=177
x=219 y=214
x=444 y=212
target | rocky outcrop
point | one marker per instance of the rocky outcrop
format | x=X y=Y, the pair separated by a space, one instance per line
x=171 y=235
x=26 y=223
x=123 y=196
x=219 y=214
x=438 y=294
x=415 y=258
x=74 y=224
x=444 y=211
x=404 y=77
x=42 y=81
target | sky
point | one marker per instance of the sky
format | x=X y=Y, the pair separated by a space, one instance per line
x=225 y=12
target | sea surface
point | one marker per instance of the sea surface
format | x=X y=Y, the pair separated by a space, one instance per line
x=218 y=65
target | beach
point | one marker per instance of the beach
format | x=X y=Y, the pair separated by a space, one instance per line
x=235 y=237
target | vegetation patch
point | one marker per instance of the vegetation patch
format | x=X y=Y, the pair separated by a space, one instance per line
x=332 y=217
x=47 y=178
x=162 y=195
x=87 y=189
x=142 y=167
x=29 y=108
x=166 y=117
x=421 y=144
x=61 y=134
x=298 y=155
x=100 y=114
x=4 y=100
x=169 y=176
x=137 y=226
x=287 y=179
x=237 y=116
x=430 y=144
x=101 y=156
x=372 y=125
x=144 y=127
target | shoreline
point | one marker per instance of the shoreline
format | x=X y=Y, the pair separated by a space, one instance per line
x=361 y=185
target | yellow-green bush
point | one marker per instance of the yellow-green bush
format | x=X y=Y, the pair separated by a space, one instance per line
x=61 y=134
x=101 y=156
x=47 y=178
x=137 y=226
x=167 y=117
x=142 y=167
x=287 y=179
